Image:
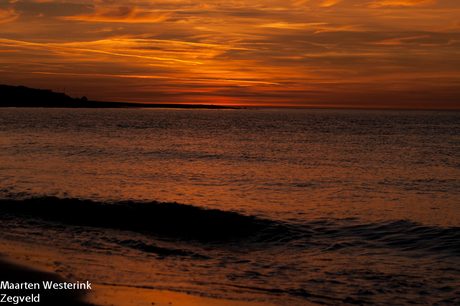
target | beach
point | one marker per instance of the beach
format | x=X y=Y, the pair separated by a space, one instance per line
x=16 y=273
x=100 y=295
x=27 y=264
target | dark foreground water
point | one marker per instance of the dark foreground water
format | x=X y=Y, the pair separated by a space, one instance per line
x=282 y=206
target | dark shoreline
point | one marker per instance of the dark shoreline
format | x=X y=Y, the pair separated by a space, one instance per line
x=15 y=273
x=21 y=96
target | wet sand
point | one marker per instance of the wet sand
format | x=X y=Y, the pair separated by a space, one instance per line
x=101 y=294
x=15 y=273
x=107 y=295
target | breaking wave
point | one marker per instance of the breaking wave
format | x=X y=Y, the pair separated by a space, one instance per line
x=173 y=220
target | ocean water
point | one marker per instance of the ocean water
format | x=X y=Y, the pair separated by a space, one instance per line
x=280 y=206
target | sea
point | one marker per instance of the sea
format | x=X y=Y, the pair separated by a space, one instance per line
x=277 y=206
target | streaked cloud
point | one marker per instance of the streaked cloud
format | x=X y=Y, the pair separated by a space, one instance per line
x=351 y=27
x=314 y=52
x=103 y=47
x=401 y=40
x=41 y=1
x=393 y=3
x=121 y=14
x=292 y=26
x=8 y=15
x=327 y=3
x=134 y=76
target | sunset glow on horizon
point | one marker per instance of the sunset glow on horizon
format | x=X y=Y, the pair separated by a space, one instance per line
x=321 y=53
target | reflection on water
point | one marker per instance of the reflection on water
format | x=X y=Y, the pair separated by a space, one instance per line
x=284 y=162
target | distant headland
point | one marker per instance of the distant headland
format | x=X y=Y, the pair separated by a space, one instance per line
x=21 y=96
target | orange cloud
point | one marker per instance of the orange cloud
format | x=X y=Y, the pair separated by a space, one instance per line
x=136 y=76
x=101 y=47
x=327 y=3
x=400 y=41
x=121 y=14
x=291 y=26
x=454 y=26
x=295 y=50
x=7 y=15
x=315 y=3
x=381 y=3
x=352 y=27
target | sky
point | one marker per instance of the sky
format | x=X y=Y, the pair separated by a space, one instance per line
x=320 y=53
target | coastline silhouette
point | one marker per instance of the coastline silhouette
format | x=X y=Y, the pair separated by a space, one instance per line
x=22 y=96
